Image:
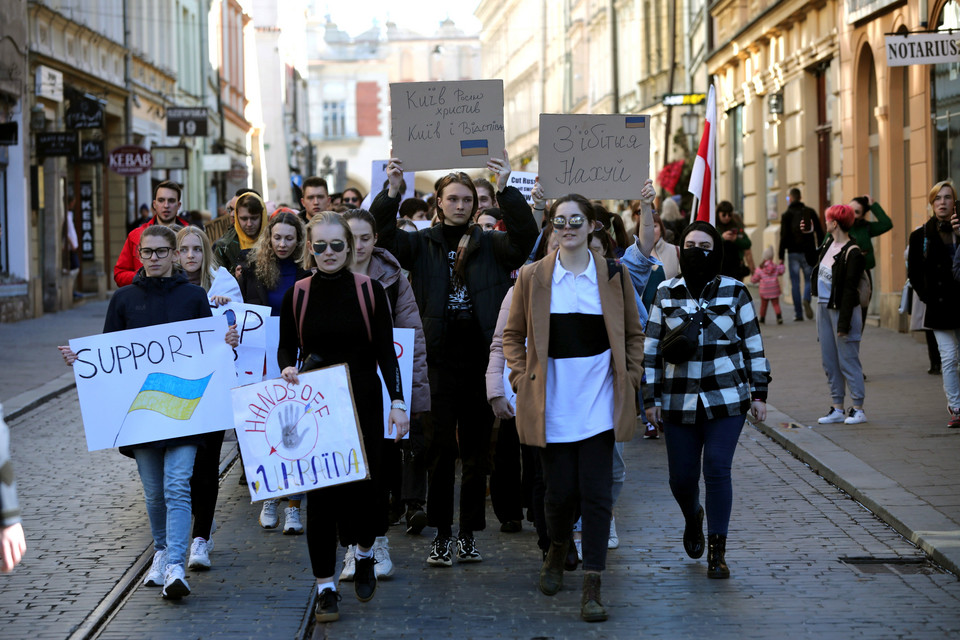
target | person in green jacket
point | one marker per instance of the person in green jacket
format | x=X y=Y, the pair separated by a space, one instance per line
x=863 y=230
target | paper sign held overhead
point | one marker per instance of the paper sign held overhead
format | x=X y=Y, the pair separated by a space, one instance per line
x=597 y=156
x=524 y=181
x=446 y=125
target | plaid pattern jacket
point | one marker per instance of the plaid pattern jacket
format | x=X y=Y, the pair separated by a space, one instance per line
x=728 y=370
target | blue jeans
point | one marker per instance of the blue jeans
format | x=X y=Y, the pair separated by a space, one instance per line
x=716 y=440
x=165 y=474
x=798 y=262
x=948 y=342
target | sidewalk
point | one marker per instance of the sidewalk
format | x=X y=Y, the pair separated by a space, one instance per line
x=902 y=464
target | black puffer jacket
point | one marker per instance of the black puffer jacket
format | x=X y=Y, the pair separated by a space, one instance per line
x=490 y=257
x=152 y=301
x=929 y=268
x=844 y=294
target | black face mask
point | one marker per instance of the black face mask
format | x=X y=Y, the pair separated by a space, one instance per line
x=698 y=267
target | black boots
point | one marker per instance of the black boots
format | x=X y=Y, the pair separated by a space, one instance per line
x=716 y=548
x=551 y=572
x=591 y=608
x=693 y=535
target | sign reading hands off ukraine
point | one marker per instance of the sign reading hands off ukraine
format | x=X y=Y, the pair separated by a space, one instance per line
x=299 y=437
x=154 y=383
x=446 y=125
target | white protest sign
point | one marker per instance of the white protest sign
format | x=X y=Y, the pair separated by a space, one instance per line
x=154 y=383
x=403 y=343
x=446 y=125
x=524 y=181
x=379 y=176
x=597 y=156
x=296 y=438
x=273 y=343
x=251 y=321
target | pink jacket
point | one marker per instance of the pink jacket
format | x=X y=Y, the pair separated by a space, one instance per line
x=497 y=361
x=767 y=274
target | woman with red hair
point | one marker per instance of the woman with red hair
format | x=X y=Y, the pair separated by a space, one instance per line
x=838 y=270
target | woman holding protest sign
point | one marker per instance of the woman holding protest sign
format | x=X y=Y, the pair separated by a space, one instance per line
x=574 y=346
x=272 y=268
x=344 y=318
x=460 y=274
x=705 y=369
x=159 y=295
x=197 y=262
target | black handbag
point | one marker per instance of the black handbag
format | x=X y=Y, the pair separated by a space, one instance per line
x=680 y=343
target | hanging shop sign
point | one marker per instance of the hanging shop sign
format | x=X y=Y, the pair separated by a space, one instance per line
x=92 y=152
x=57 y=143
x=680 y=99
x=49 y=84
x=169 y=157
x=130 y=160
x=187 y=121
x=922 y=48
x=9 y=133
x=86 y=221
x=84 y=113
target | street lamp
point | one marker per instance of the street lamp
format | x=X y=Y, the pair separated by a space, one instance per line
x=691 y=123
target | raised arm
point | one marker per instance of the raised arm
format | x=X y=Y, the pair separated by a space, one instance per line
x=646 y=239
x=402 y=244
x=883 y=223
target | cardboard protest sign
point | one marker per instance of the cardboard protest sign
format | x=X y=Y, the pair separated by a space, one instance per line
x=403 y=343
x=524 y=181
x=251 y=321
x=379 y=176
x=296 y=438
x=597 y=156
x=446 y=125
x=154 y=383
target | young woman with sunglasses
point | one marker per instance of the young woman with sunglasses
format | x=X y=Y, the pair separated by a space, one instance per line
x=335 y=332
x=272 y=268
x=459 y=274
x=574 y=346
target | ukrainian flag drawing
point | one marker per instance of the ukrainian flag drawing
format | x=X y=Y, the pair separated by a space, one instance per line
x=169 y=395
x=474 y=148
x=636 y=122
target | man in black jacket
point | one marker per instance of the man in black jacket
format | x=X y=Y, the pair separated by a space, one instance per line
x=800 y=235
x=460 y=274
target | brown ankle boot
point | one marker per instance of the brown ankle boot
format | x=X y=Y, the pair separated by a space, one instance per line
x=551 y=572
x=591 y=608
x=716 y=548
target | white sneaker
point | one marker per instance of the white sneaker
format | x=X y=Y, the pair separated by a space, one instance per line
x=349 y=564
x=383 y=568
x=614 y=540
x=855 y=416
x=268 y=514
x=174 y=583
x=578 y=543
x=291 y=522
x=833 y=416
x=200 y=554
x=154 y=577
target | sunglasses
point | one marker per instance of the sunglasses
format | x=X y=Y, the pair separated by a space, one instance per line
x=337 y=245
x=575 y=221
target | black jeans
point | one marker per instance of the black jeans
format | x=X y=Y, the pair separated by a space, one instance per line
x=413 y=454
x=461 y=424
x=205 y=484
x=507 y=492
x=580 y=473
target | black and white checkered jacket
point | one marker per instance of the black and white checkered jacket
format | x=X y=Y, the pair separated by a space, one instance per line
x=728 y=370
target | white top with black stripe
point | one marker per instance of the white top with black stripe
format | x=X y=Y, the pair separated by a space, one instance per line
x=579 y=369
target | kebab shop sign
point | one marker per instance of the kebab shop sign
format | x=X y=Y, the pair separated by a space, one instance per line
x=130 y=160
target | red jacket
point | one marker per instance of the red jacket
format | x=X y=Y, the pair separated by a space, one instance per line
x=129 y=261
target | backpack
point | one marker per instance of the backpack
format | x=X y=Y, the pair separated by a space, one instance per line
x=864 y=287
x=301 y=294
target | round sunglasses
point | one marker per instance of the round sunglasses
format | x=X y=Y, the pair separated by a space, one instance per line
x=575 y=221
x=321 y=245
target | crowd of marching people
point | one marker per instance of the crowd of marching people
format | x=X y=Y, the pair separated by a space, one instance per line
x=557 y=327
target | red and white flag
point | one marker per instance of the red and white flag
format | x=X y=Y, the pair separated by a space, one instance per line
x=702 y=177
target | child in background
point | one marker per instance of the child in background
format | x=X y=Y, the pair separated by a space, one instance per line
x=768 y=275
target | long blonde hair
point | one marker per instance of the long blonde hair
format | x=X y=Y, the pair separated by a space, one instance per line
x=264 y=258
x=327 y=217
x=206 y=267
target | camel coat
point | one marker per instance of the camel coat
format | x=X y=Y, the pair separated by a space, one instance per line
x=527 y=336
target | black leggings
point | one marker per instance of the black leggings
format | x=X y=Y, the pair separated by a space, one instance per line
x=205 y=484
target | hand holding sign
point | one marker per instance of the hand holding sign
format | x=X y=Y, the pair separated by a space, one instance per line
x=501 y=167
x=394 y=177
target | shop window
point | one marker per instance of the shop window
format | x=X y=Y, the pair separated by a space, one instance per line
x=945 y=97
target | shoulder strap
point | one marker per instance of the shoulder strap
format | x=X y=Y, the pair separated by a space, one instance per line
x=613 y=268
x=301 y=293
x=367 y=302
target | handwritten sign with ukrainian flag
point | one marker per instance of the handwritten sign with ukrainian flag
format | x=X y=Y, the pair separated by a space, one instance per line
x=154 y=383
x=446 y=125
x=597 y=156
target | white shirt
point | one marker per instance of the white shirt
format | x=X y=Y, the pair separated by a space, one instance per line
x=579 y=388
